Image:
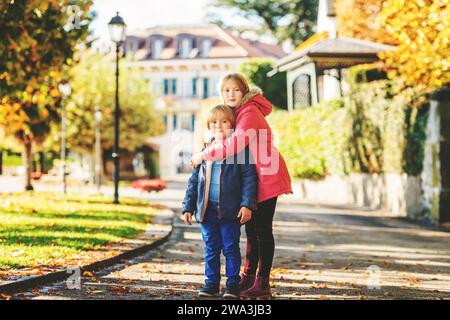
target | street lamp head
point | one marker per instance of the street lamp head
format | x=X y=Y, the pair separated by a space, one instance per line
x=65 y=89
x=117 y=29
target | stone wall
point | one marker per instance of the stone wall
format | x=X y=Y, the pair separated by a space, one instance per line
x=398 y=194
x=436 y=172
x=424 y=197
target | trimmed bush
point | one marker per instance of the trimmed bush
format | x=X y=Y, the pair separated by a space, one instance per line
x=312 y=140
x=374 y=129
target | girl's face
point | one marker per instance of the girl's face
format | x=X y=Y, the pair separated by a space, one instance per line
x=220 y=127
x=231 y=93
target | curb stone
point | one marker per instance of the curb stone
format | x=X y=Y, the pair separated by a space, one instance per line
x=158 y=232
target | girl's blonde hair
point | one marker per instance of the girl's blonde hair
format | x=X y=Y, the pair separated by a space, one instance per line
x=239 y=79
x=220 y=111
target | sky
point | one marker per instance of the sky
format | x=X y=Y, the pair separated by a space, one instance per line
x=140 y=14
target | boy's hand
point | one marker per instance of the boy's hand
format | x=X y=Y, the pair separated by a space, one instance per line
x=196 y=159
x=245 y=214
x=187 y=216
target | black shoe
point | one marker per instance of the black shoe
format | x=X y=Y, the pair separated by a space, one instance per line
x=209 y=291
x=232 y=292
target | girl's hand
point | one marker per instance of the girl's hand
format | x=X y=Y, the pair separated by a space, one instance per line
x=245 y=214
x=187 y=216
x=196 y=159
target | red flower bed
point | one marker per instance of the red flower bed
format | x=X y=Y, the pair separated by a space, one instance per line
x=36 y=175
x=149 y=185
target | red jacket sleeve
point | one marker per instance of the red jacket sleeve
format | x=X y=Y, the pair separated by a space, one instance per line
x=247 y=124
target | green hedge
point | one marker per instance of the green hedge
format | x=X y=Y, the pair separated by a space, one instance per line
x=312 y=140
x=11 y=160
x=373 y=129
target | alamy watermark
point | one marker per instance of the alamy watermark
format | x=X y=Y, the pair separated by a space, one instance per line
x=258 y=141
x=73 y=282
x=374 y=279
x=73 y=17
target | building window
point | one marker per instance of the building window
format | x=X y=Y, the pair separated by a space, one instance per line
x=132 y=47
x=166 y=87
x=215 y=87
x=170 y=86
x=206 y=47
x=174 y=86
x=194 y=87
x=157 y=49
x=205 y=88
x=174 y=122
x=185 y=48
x=186 y=121
x=185 y=89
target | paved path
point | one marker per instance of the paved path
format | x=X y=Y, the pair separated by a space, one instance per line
x=322 y=252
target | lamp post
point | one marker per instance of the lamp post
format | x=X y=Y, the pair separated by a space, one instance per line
x=65 y=90
x=98 y=119
x=117 y=30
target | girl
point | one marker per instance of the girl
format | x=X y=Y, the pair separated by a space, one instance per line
x=222 y=194
x=252 y=130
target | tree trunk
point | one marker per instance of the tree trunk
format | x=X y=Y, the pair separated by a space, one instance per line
x=26 y=158
x=42 y=162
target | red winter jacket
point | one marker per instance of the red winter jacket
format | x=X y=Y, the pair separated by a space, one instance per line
x=252 y=129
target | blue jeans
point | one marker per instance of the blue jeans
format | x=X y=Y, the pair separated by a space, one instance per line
x=221 y=235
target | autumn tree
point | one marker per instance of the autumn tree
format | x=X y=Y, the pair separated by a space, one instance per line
x=293 y=20
x=361 y=19
x=422 y=57
x=37 y=39
x=92 y=81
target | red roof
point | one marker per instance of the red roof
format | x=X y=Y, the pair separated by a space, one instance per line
x=224 y=44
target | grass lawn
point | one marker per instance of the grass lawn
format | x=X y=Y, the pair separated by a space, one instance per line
x=42 y=228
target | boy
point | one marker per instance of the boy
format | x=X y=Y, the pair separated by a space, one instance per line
x=222 y=194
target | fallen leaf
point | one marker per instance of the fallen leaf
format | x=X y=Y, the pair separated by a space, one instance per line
x=138 y=290
x=97 y=291
x=17 y=253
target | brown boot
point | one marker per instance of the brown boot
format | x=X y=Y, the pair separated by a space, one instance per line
x=246 y=282
x=259 y=290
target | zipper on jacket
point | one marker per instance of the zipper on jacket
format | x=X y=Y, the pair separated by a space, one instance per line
x=204 y=198
x=220 y=182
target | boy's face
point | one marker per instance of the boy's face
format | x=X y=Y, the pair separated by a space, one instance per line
x=221 y=127
x=231 y=93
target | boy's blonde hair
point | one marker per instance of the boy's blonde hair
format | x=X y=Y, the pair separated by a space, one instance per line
x=239 y=79
x=218 y=111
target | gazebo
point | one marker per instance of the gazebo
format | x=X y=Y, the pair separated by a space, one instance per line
x=314 y=69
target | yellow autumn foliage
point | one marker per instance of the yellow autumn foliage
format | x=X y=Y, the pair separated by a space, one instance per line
x=361 y=19
x=422 y=56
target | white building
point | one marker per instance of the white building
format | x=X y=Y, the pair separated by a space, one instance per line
x=185 y=65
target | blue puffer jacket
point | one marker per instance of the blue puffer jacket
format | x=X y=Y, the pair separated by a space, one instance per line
x=238 y=188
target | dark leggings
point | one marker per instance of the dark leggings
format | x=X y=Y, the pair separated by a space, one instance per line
x=260 y=241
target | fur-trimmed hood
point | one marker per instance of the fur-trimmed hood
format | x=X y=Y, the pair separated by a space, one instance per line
x=249 y=95
x=255 y=96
